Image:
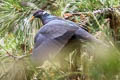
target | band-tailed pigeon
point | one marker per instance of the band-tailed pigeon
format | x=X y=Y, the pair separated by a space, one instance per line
x=55 y=35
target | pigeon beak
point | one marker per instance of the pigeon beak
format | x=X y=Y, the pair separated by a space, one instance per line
x=32 y=18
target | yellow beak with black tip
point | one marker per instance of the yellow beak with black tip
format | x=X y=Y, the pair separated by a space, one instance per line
x=32 y=18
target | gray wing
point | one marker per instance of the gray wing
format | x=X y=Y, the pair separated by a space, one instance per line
x=85 y=36
x=54 y=29
x=49 y=47
x=57 y=28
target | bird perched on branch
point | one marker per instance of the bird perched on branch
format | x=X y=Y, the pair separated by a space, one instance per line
x=56 y=36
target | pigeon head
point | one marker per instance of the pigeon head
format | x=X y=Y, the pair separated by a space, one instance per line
x=39 y=13
x=44 y=16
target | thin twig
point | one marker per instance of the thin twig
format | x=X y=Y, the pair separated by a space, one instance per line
x=23 y=56
x=97 y=21
x=9 y=54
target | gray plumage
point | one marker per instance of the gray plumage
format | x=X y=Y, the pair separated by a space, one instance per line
x=54 y=35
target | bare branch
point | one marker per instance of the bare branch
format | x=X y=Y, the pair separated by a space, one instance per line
x=100 y=11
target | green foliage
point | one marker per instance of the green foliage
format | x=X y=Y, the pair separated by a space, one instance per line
x=17 y=34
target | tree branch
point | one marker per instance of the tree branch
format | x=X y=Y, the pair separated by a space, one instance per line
x=100 y=11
